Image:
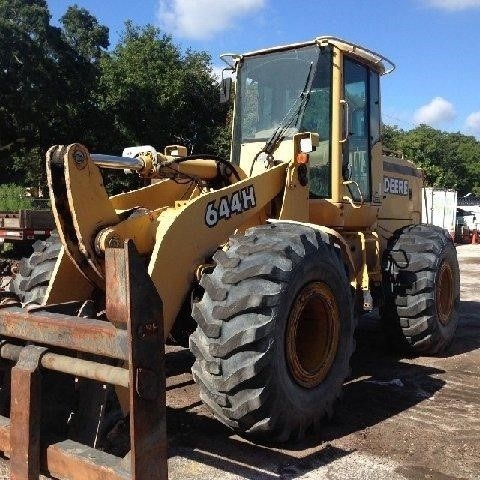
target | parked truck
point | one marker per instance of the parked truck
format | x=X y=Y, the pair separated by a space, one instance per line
x=23 y=227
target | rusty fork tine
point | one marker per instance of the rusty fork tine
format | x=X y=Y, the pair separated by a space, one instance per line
x=25 y=415
x=136 y=303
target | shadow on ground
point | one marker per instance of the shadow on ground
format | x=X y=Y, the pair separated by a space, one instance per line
x=381 y=386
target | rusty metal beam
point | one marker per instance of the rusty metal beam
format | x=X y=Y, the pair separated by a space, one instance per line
x=73 y=366
x=72 y=460
x=86 y=369
x=25 y=415
x=74 y=333
x=138 y=305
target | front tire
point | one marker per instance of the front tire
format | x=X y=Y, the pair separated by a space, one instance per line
x=275 y=331
x=421 y=289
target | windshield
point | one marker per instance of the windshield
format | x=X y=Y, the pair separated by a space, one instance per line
x=270 y=99
x=271 y=87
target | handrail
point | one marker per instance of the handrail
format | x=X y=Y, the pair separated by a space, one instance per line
x=371 y=55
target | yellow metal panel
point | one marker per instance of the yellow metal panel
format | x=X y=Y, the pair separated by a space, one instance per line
x=67 y=282
x=402 y=184
x=88 y=200
x=158 y=194
x=377 y=173
x=337 y=126
x=343 y=216
x=295 y=204
x=141 y=229
x=184 y=240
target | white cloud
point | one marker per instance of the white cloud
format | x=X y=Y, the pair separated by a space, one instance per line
x=453 y=5
x=472 y=123
x=435 y=113
x=201 y=19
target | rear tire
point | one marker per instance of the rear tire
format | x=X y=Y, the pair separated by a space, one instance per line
x=421 y=289
x=275 y=331
x=31 y=281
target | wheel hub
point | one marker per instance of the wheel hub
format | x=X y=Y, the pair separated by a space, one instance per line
x=313 y=333
x=444 y=293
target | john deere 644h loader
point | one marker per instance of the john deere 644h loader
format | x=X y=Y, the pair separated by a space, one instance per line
x=274 y=253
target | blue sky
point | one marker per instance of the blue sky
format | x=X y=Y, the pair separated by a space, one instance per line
x=434 y=43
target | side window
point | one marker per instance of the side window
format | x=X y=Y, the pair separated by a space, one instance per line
x=356 y=153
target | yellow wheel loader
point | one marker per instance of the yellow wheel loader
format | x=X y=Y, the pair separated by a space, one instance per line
x=274 y=253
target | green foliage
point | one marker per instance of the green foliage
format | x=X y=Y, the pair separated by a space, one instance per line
x=25 y=65
x=222 y=136
x=450 y=160
x=59 y=85
x=12 y=198
x=46 y=78
x=150 y=93
x=84 y=34
x=154 y=94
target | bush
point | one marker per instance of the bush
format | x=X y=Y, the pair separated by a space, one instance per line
x=12 y=198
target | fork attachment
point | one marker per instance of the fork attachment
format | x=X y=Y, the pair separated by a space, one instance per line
x=38 y=340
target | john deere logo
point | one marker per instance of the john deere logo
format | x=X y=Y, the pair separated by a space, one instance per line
x=395 y=186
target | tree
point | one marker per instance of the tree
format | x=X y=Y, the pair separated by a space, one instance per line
x=25 y=66
x=84 y=34
x=449 y=160
x=391 y=136
x=46 y=78
x=154 y=94
x=83 y=42
x=60 y=85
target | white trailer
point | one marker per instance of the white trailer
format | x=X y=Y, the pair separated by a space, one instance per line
x=439 y=207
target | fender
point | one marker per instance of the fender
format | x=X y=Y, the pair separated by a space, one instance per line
x=337 y=241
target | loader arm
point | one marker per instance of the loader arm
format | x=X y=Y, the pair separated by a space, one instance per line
x=185 y=240
x=177 y=237
x=80 y=205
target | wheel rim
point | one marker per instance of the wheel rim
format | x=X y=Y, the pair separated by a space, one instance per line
x=313 y=333
x=444 y=293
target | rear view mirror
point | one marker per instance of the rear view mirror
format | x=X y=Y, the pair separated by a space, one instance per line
x=225 y=87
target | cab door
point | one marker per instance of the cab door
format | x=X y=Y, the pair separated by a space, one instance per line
x=361 y=92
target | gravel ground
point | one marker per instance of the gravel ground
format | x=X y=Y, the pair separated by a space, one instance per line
x=399 y=418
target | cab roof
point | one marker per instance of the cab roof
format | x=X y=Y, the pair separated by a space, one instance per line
x=381 y=63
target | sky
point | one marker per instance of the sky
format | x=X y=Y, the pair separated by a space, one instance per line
x=435 y=44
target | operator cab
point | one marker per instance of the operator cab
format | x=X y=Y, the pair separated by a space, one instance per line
x=328 y=87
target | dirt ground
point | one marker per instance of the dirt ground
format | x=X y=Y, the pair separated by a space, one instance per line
x=399 y=418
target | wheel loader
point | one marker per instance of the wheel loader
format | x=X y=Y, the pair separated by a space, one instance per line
x=272 y=255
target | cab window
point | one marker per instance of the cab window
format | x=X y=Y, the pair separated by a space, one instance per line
x=356 y=152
